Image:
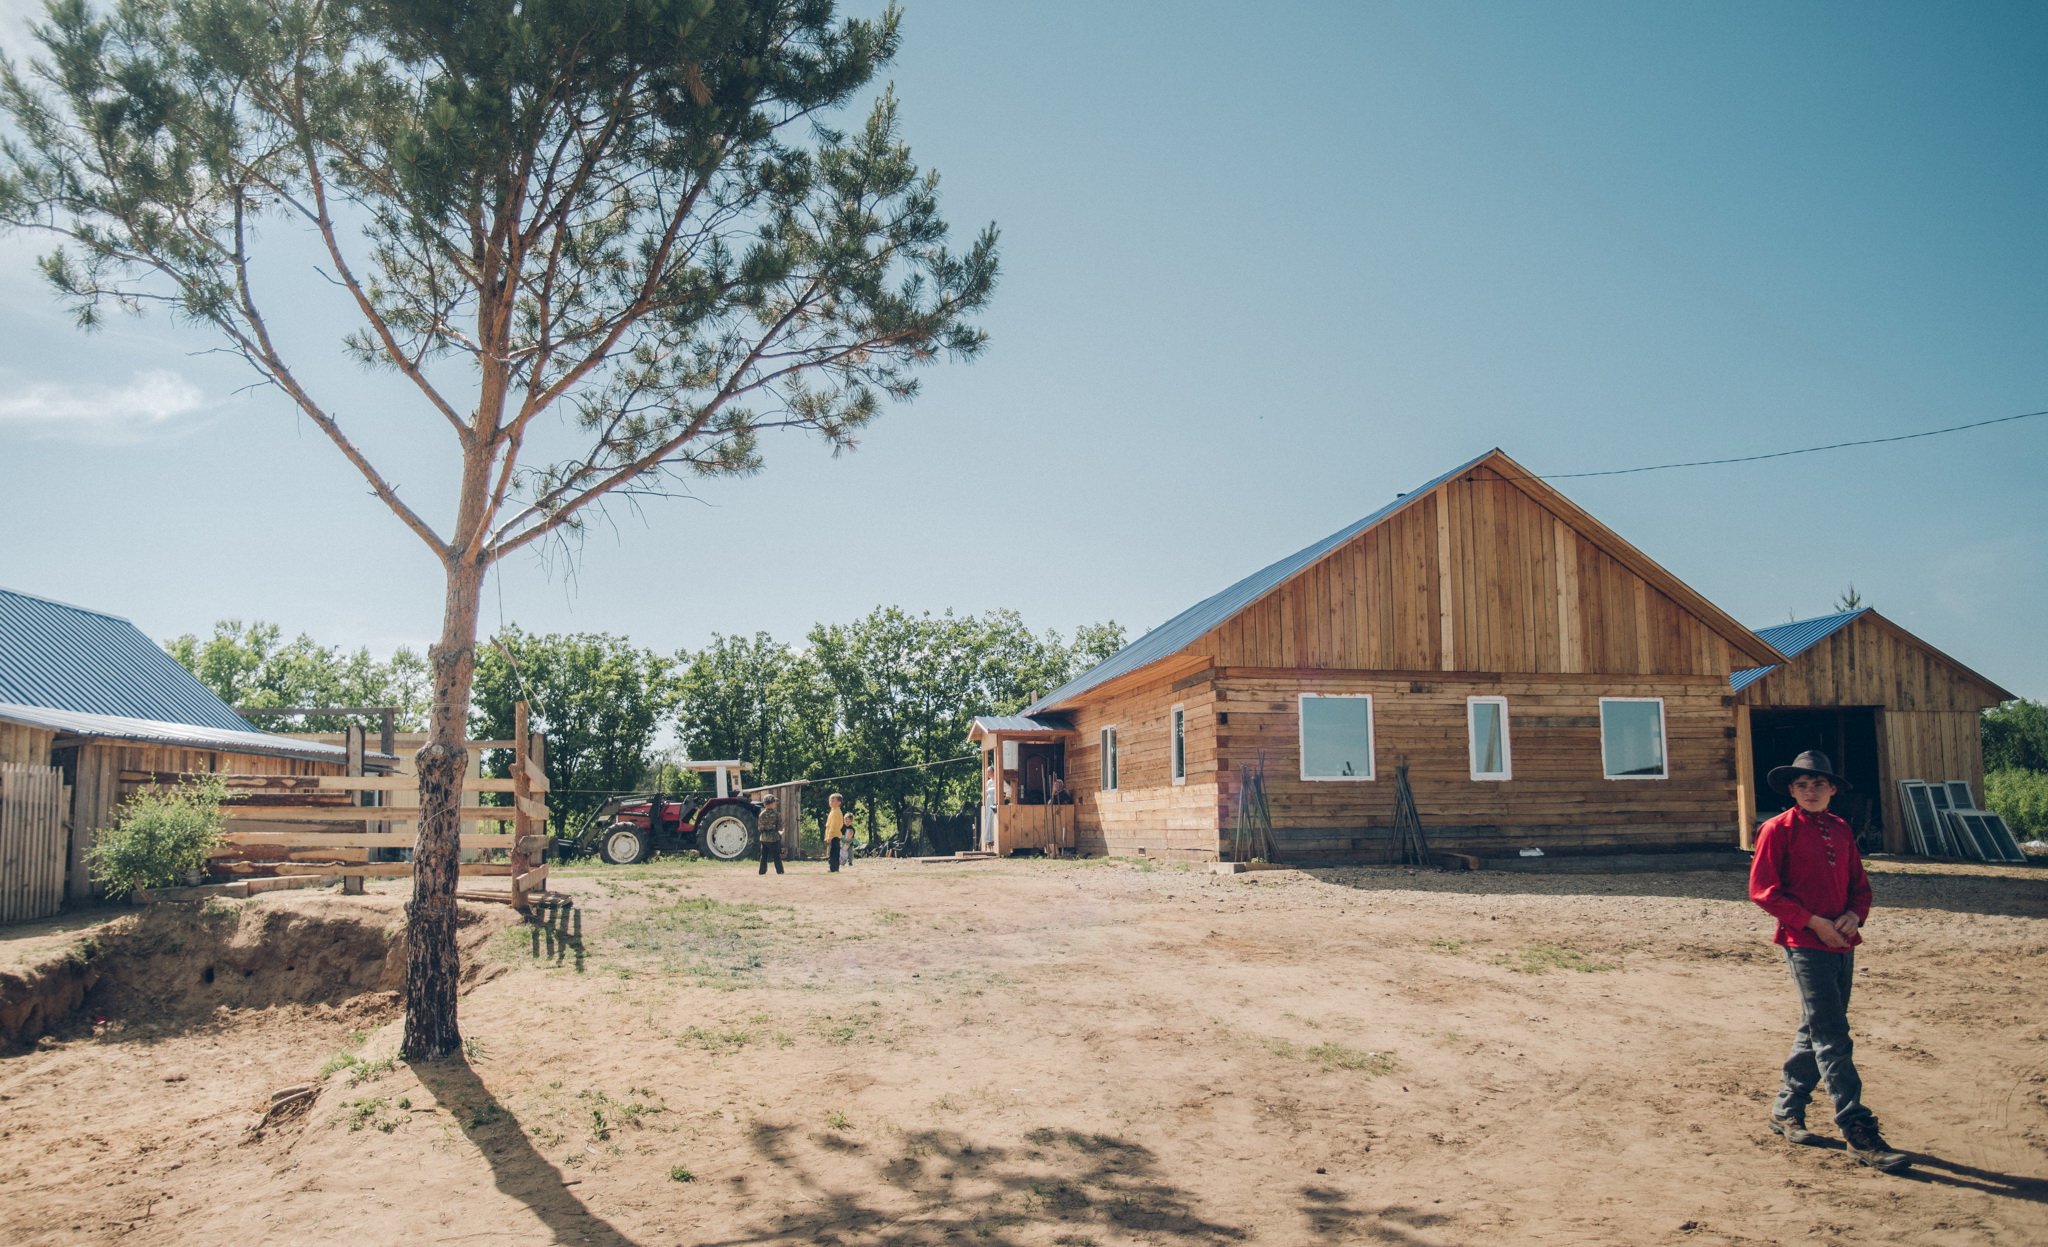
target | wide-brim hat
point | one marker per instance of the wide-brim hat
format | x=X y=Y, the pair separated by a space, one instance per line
x=1812 y=762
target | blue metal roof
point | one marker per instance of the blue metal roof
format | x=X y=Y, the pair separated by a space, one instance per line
x=991 y=723
x=1184 y=629
x=176 y=735
x=66 y=658
x=1793 y=639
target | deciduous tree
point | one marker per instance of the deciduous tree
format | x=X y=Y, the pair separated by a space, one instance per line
x=607 y=243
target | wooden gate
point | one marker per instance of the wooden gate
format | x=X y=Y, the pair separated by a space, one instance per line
x=33 y=841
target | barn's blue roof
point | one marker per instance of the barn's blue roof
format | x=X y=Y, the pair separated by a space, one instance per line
x=1793 y=639
x=1190 y=625
x=991 y=723
x=67 y=658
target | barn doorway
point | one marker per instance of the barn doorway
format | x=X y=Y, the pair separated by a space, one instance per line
x=1847 y=734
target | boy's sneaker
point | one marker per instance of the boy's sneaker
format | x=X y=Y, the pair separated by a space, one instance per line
x=1793 y=1127
x=1869 y=1148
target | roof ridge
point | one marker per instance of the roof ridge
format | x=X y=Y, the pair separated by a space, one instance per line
x=70 y=606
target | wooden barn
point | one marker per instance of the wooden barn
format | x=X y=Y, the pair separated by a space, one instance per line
x=1882 y=703
x=90 y=704
x=1545 y=683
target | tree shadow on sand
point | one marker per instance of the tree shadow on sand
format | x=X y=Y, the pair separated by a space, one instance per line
x=941 y=1187
x=1900 y=888
x=517 y=1169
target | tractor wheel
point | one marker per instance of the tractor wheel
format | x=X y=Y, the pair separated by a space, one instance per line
x=623 y=844
x=728 y=834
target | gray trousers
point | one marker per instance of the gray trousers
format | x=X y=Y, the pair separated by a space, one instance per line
x=1822 y=1049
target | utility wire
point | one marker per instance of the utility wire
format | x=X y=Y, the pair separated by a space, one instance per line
x=1804 y=450
x=823 y=779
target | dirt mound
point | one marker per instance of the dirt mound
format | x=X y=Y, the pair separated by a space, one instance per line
x=176 y=965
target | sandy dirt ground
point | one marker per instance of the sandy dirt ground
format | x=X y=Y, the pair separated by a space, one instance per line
x=1034 y=1052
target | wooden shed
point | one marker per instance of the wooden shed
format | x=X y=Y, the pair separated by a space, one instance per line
x=1883 y=704
x=1546 y=684
x=87 y=696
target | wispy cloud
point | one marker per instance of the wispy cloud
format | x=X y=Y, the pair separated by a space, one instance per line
x=147 y=404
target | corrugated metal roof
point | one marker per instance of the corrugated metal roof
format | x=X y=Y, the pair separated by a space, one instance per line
x=1187 y=627
x=1793 y=639
x=68 y=658
x=988 y=723
x=175 y=735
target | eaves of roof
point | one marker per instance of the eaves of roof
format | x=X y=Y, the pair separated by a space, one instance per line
x=177 y=735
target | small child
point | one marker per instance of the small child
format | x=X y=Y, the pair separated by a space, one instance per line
x=768 y=834
x=835 y=829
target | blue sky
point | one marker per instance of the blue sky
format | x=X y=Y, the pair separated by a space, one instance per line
x=1263 y=269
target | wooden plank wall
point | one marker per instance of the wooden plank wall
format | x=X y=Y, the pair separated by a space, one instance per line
x=99 y=790
x=33 y=834
x=25 y=745
x=1475 y=577
x=1870 y=663
x=1148 y=813
x=1929 y=745
x=1558 y=798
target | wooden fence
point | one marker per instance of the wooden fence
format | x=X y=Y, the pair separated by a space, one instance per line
x=340 y=820
x=34 y=839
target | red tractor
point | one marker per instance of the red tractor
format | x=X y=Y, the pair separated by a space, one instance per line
x=632 y=829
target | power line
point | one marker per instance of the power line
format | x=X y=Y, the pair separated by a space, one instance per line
x=1781 y=454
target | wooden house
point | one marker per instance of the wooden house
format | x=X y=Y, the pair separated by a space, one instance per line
x=89 y=696
x=1883 y=704
x=1545 y=683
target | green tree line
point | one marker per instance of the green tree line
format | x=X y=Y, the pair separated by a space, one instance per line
x=881 y=705
x=2016 y=766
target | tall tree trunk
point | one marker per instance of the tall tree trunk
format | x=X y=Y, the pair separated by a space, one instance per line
x=433 y=966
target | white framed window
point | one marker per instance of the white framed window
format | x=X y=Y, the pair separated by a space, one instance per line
x=1632 y=738
x=1109 y=759
x=1177 y=743
x=1336 y=736
x=1486 y=722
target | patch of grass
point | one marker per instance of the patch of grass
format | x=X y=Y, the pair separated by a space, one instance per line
x=1543 y=958
x=358 y=1070
x=474 y=1050
x=890 y=916
x=722 y=944
x=1336 y=1056
x=1451 y=947
x=681 y=1173
x=838 y=1120
x=476 y=1116
x=714 y=1041
x=844 y=1030
x=368 y=1111
x=214 y=909
x=605 y=1112
x=946 y=1104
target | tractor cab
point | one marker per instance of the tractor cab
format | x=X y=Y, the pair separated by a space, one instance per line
x=717 y=824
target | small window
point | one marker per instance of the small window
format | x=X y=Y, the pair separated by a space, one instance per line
x=1632 y=737
x=1336 y=736
x=1487 y=719
x=1109 y=759
x=1178 y=717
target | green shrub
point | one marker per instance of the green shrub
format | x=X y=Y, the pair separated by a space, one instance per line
x=160 y=837
x=2021 y=799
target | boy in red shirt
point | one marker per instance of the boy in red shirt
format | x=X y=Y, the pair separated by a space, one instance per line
x=1808 y=875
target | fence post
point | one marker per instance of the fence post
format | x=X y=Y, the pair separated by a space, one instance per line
x=352 y=885
x=522 y=789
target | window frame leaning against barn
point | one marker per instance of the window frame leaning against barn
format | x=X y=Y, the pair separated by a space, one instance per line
x=1371 y=751
x=1507 y=754
x=1663 y=739
x=1109 y=777
x=1177 y=742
